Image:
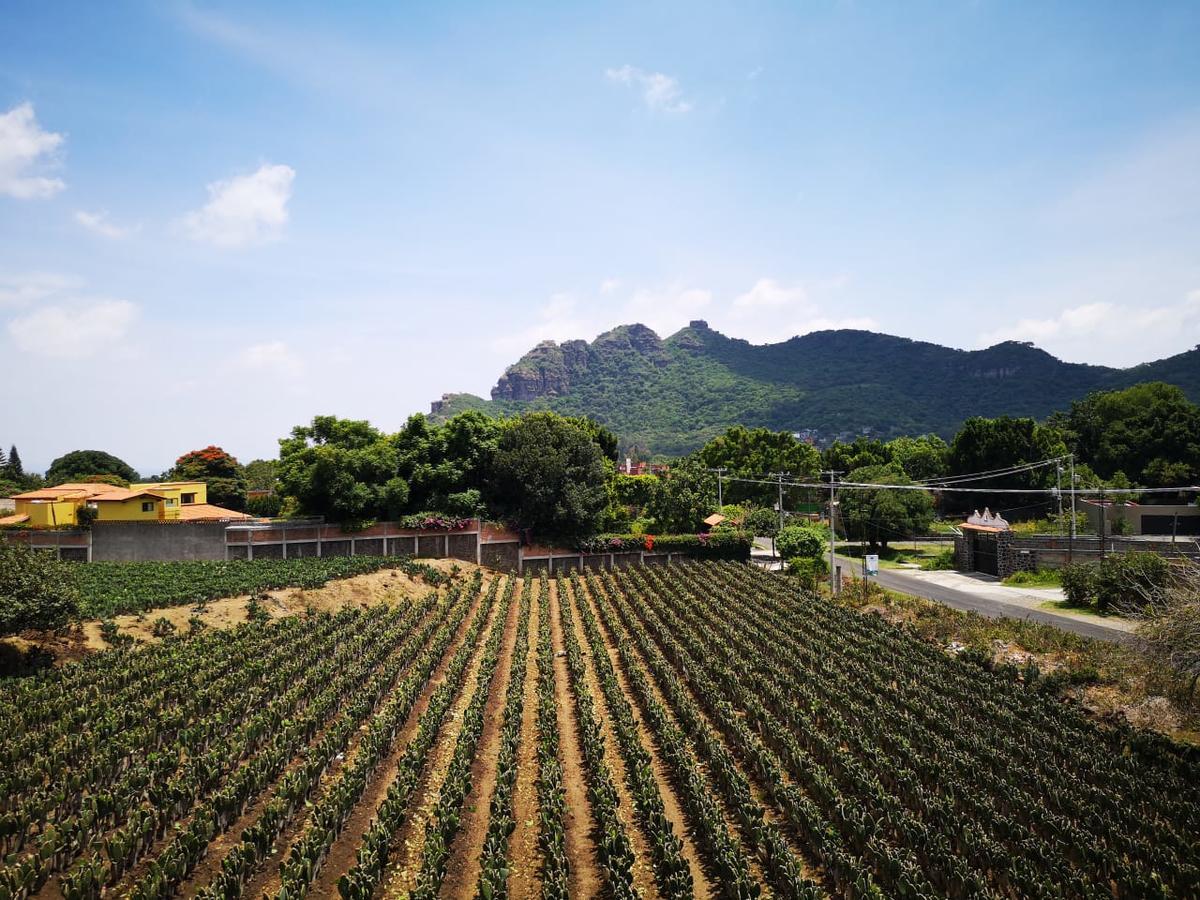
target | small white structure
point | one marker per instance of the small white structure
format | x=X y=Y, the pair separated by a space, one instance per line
x=988 y=520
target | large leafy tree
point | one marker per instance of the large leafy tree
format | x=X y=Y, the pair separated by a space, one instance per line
x=446 y=465
x=880 y=515
x=755 y=452
x=262 y=474
x=220 y=471
x=77 y=464
x=921 y=458
x=683 y=498
x=861 y=452
x=986 y=445
x=36 y=590
x=1150 y=432
x=343 y=469
x=550 y=475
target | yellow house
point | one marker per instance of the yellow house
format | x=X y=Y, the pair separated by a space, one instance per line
x=185 y=501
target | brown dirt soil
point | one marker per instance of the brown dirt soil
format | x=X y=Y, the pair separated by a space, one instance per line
x=524 y=856
x=643 y=863
x=384 y=586
x=462 y=869
x=408 y=843
x=343 y=854
x=585 y=876
x=702 y=886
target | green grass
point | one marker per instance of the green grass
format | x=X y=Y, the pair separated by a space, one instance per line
x=1040 y=578
x=896 y=557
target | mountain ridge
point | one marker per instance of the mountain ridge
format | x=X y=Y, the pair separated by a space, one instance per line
x=669 y=395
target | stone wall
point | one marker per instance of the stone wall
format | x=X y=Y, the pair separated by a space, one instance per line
x=145 y=541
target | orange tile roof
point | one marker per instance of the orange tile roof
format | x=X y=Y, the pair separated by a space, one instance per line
x=120 y=495
x=84 y=491
x=13 y=520
x=206 y=512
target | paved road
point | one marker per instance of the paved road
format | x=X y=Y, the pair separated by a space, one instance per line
x=905 y=583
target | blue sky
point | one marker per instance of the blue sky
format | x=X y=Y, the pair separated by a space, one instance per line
x=217 y=220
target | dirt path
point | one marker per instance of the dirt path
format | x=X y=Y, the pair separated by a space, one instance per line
x=343 y=853
x=523 y=880
x=462 y=870
x=408 y=843
x=702 y=885
x=643 y=863
x=586 y=879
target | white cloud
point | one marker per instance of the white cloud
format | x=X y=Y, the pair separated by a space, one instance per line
x=768 y=312
x=244 y=210
x=667 y=309
x=24 y=149
x=768 y=293
x=79 y=330
x=274 y=357
x=22 y=290
x=1108 y=333
x=98 y=223
x=608 y=285
x=660 y=93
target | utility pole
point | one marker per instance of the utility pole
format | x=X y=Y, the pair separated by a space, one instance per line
x=1103 y=522
x=720 y=486
x=1071 y=533
x=778 y=476
x=832 y=537
x=1058 y=491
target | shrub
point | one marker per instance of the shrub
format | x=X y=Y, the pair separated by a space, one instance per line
x=807 y=570
x=1079 y=584
x=716 y=545
x=162 y=627
x=801 y=541
x=944 y=561
x=36 y=590
x=1127 y=581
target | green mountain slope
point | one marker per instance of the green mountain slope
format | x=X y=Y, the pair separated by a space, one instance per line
x=669 y=396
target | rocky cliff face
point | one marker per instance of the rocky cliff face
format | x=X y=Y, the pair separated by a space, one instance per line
x=550 y=369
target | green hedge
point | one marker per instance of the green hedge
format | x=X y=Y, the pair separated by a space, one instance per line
x=715 y=545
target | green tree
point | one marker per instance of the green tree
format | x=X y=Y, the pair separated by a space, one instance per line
x=762 y=522
x=985 y=445
x=683 y=498
x=755 y=452
x=77 y=464
x=1151 y=432
x=36 y=590
x=338 y=468
x=880 y=515
x=861 y=452
x=550 y=476
x=439 y=461
x=12 y=466
x=921 y=458
x=220 y=471
x=261 y=474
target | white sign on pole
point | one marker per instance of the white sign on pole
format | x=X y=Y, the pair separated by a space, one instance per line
x=872 y=564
